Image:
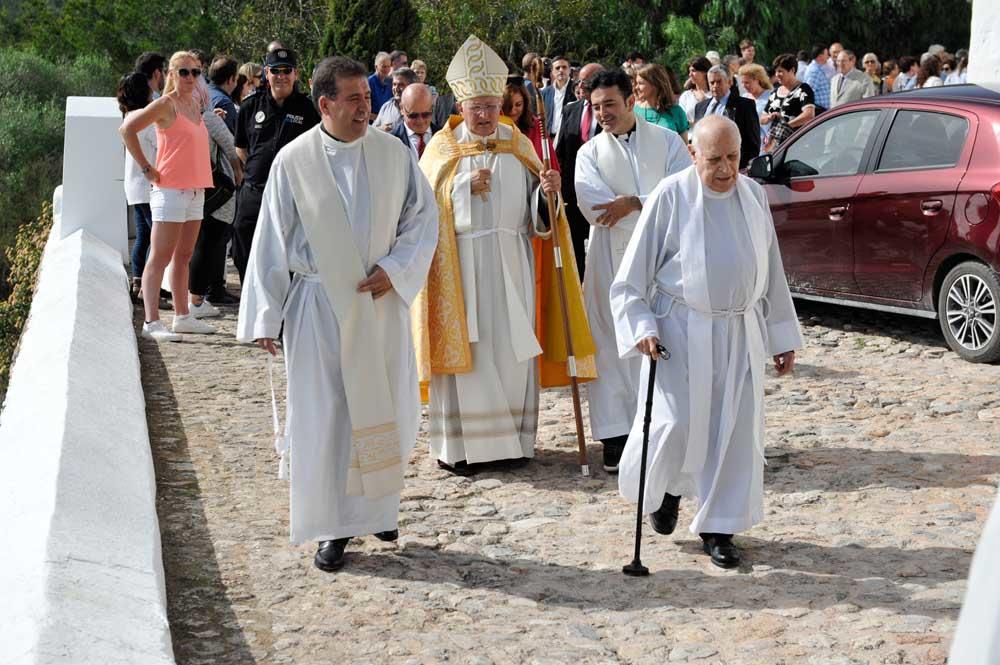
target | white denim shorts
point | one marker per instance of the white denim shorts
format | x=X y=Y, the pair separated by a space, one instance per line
x=176 y=205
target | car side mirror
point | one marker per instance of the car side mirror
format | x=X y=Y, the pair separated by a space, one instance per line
x=762 y=167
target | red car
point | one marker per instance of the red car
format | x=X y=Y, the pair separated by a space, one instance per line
x=893 y=203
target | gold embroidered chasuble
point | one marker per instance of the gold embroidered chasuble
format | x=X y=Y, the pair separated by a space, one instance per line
x=440 y=329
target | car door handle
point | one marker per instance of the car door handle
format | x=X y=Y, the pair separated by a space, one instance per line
x=837 y=213
x=931 y=206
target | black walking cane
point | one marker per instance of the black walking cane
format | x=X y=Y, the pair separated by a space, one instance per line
x=636 y=569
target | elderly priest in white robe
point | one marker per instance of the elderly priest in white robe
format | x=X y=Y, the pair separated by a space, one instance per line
x=348 y=214
x=615 y=172
x=479 y=336
x=703 y=276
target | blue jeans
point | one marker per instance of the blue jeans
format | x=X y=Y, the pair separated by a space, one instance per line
x=143 y=229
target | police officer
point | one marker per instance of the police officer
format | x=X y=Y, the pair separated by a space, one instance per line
x=267 y=121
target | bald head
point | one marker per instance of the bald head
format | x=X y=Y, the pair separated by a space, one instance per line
x=716 y=142
x=417 y=101
x=586 y=72
x=713 y=129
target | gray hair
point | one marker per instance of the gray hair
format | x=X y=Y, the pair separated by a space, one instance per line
x=381 y=56
x=712 y=126
x=728 y=60
x=722 y=71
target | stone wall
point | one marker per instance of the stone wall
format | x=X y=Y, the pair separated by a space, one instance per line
x=81 y=568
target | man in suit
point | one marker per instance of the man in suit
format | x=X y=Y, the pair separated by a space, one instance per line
x=740 y=110
x=850 y=84
x=579 y=125
x=557 y=95
x=417 y=108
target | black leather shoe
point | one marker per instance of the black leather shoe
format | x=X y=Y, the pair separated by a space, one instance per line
x=664 y=519
x=720 y=547
x=388 y=536
x=613 y=449
x=459 y=469
x=330 y=555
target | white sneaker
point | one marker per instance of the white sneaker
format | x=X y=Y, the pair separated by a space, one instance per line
x=204 y=310
x=189 y=324
x=156 y=331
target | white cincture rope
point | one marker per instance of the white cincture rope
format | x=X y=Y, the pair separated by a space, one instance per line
x=280 y=442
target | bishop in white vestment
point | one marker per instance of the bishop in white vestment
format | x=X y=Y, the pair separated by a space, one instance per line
x=702 y=275
x=615 y=172
x=489 y=412
x=348 y=214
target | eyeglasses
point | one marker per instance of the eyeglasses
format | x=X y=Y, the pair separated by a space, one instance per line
x=871 y=62
x=419 y=116
x=280 y=71
x=483 y=109
x=184 y=72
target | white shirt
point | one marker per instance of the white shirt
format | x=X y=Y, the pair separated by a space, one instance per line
x=557 y=107
x=415 y=138
x=717 y=106
x=137 y=187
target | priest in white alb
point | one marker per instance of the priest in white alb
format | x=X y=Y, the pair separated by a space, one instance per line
x=702 y=275
x=615 y=172
x=482 y=346
x=346 y=235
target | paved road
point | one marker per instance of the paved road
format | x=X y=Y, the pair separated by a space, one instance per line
x=884 y=464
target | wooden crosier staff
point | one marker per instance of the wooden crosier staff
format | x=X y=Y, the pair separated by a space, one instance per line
x=571 y=369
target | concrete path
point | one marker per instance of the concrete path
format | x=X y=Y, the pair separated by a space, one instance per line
x=884 y=463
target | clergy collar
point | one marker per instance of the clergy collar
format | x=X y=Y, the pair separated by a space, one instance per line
x=627 y=135
x=333 y=142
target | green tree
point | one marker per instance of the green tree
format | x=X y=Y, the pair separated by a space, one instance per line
x=361 y=28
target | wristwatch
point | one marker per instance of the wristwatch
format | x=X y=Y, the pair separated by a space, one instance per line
x=146 y=169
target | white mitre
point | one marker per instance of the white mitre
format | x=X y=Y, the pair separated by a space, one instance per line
x=476 y=71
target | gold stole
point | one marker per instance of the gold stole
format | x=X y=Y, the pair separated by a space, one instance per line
x=440 y=329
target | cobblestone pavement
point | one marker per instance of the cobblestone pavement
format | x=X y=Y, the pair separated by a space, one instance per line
x=883 y=465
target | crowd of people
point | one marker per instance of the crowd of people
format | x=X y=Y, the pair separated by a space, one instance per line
x=409 y=243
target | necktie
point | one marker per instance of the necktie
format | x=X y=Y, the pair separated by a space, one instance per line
x=420 y=146
x=712 y=106
x=585 y=123
x=840 y=83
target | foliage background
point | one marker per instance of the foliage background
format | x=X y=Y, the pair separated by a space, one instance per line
x=50 y=49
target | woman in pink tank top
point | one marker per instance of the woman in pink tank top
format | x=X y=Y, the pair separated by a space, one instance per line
x=182 y=171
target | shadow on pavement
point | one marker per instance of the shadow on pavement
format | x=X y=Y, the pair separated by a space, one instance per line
x=203 y=625
x=846 y=469
x=803 y=575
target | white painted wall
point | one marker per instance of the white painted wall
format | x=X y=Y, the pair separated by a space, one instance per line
x=80 y=567
x=93 y=170
x=984 y=43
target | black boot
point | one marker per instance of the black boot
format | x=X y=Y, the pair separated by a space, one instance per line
x=720 y=547
x=388 y=536
x=664 y=519
x=613 y=449
x=330 y=555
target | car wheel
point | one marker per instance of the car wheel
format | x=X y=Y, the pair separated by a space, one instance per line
x=967 y=311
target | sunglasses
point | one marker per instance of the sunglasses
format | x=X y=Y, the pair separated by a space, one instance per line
x=280 y=71
x=419 y=116
x=184 y=72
